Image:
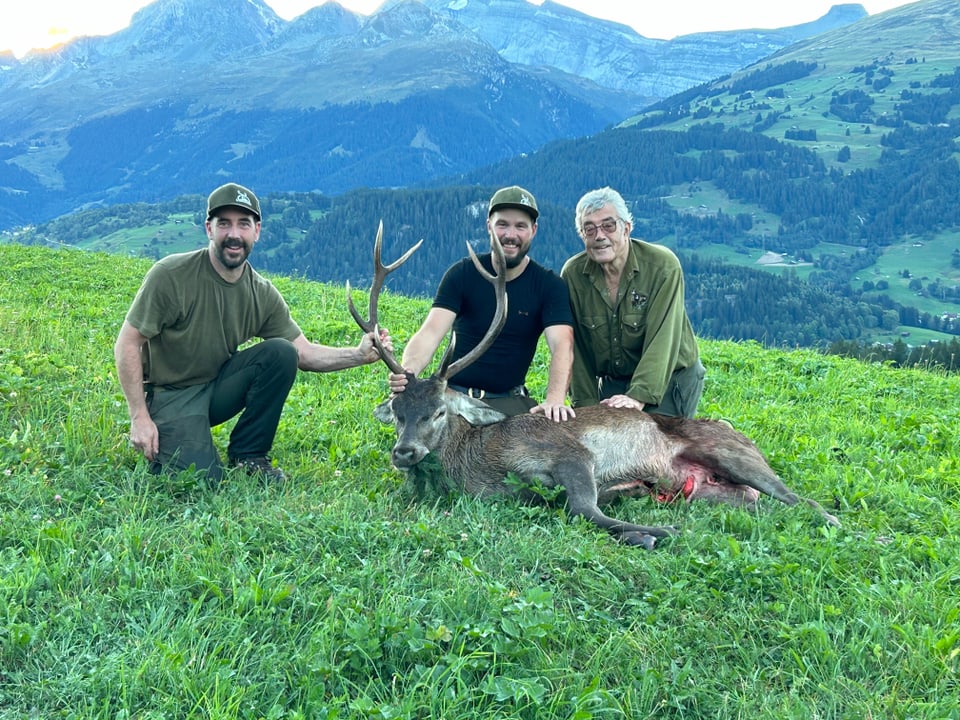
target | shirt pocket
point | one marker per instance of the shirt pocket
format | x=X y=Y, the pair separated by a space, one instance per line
x=597 y=330
x=633 y=327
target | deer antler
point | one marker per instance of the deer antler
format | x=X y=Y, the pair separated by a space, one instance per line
x=499 y=281
x=379 y=275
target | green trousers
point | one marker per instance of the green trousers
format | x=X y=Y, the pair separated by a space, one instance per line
x=254 y=382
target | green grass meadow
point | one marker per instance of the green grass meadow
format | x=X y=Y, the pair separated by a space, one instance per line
x=341 y=595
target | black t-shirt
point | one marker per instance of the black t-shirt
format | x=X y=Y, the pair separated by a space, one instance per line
x=536 y=299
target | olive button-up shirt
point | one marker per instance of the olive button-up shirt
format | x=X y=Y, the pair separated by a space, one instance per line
x=643 y=337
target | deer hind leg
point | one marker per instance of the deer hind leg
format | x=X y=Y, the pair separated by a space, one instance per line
x=750 y=475
x=576 y=477
x=731 y=458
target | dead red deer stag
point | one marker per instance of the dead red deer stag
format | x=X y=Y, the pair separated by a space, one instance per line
x=602 y=454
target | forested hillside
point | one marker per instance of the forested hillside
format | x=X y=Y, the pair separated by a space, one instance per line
x=911 y=193
x=313 y=236
x=833 y=220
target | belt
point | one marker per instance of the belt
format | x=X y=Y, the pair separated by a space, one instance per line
x=151 y=388
x=478 y=394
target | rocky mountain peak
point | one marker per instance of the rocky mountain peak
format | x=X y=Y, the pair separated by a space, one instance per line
x=198 y=89
x=410 y=18
x=614 y=55
x=180 y=27
x=325 y=21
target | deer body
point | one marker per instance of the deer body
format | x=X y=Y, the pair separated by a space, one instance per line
x=675 y=458
x=601 y=454
x=478 y=447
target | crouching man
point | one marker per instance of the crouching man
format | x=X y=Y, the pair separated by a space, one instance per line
x=177 y=352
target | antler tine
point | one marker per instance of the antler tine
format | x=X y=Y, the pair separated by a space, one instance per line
x=380 y=272
x=499 y=282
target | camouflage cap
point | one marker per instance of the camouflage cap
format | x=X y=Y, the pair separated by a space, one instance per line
x=514 y=197
x=232 y=195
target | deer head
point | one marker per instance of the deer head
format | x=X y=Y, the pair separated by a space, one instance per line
x=423 y=411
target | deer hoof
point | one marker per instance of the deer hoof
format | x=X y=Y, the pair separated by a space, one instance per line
x=636 y=538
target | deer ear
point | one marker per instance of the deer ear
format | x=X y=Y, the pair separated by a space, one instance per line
x=384 y=412
x=473 y=411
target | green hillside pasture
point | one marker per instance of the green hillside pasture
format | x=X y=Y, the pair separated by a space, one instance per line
x=703 y=199
x=806 y=102
x=177 y=234
x=912 y=336
x=927 y=260
x=750 y=258
x=340 y=595
x=806 y=106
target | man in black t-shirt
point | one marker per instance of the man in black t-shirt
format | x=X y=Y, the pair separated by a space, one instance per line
x=538 y=304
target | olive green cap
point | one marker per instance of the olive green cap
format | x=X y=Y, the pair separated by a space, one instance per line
x=514 y=197
x=233 y=195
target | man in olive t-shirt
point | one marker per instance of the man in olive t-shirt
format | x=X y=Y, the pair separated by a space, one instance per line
x=177 y=352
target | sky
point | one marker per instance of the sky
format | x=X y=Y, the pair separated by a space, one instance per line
x=28 y=24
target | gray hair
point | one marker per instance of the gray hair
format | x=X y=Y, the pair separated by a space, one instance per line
x=596 y=199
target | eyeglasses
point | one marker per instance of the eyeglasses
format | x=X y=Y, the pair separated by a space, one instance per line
x=609 y=226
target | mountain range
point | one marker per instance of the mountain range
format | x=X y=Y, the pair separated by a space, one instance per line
x=832 y=161
x=197 y=91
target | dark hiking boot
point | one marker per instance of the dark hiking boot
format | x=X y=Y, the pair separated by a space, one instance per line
x=260 y=467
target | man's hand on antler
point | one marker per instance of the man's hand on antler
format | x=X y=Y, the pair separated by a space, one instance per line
x=398 y=382
x=368 y=345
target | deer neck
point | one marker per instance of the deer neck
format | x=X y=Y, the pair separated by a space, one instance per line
x=455 y=450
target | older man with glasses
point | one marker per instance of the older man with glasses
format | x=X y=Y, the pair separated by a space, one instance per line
x=634 y=344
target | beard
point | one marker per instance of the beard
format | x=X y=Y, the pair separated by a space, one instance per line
x=229 y=261
x=515 y=261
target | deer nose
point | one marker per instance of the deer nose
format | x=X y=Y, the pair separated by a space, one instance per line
x=405 y=456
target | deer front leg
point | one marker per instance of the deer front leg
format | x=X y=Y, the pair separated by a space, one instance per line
x=577 y=479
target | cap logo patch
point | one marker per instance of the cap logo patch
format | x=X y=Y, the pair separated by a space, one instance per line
x=243 y=198
x=524 y=200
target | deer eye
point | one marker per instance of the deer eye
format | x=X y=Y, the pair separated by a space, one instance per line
x=440 y=414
